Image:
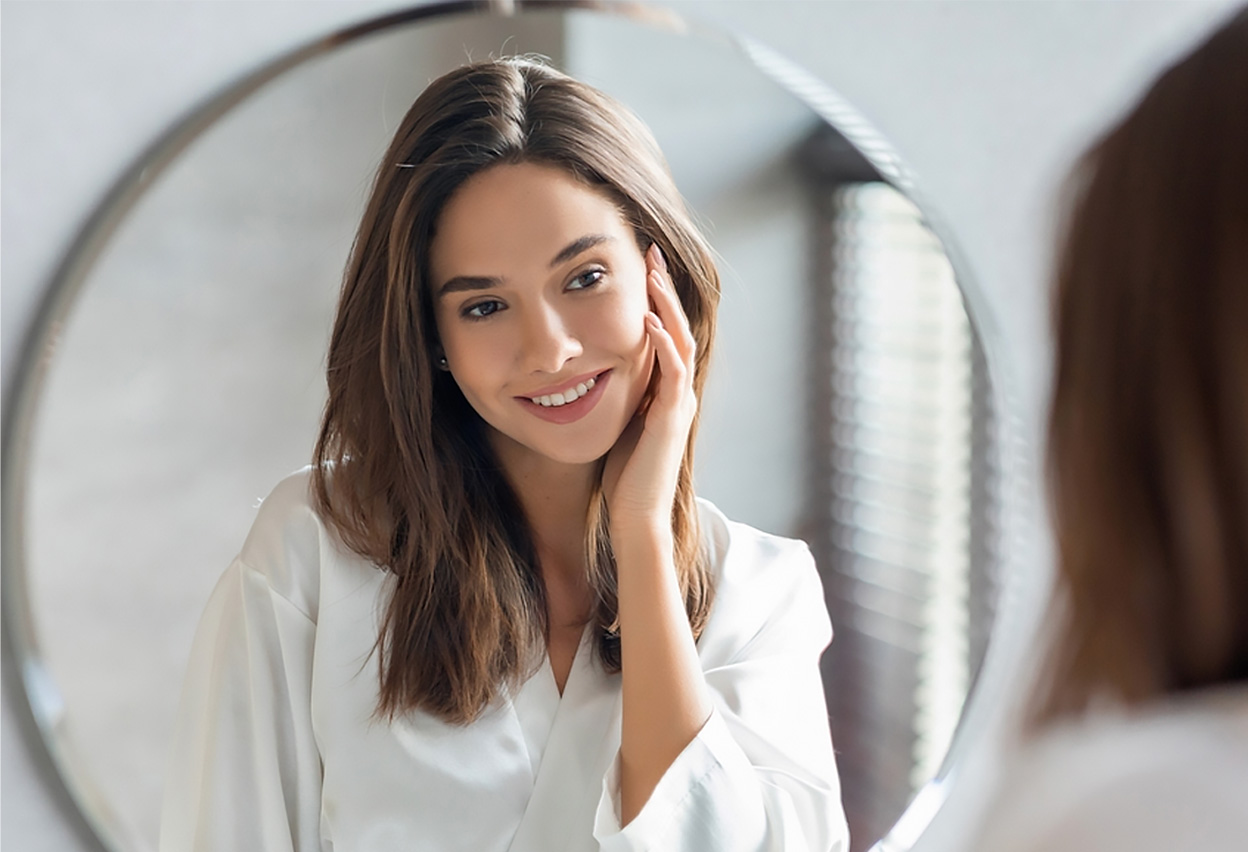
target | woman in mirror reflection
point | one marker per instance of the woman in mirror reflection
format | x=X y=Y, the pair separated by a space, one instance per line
x=492 y=615
x=1139 y=732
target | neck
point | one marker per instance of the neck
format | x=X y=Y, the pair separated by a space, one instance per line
x=555 y=499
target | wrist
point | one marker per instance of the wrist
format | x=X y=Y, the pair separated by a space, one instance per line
x=643 y=537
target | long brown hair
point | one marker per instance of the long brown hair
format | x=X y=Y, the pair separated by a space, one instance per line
x=403 y=472
x=1148 y=431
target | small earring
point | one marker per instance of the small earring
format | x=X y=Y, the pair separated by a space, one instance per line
x=442 y=365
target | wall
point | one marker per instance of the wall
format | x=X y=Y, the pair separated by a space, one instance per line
x=987 y=102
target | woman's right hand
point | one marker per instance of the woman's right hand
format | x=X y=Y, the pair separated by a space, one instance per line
x=643 y=467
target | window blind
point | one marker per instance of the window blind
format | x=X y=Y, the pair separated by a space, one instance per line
x=901 y=495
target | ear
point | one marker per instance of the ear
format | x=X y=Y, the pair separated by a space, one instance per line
x=439 y=357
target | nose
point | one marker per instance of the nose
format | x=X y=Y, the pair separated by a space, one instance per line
x=549 y=342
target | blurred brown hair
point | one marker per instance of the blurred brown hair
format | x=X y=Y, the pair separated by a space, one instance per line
x=403 y=471
x=1148 y=431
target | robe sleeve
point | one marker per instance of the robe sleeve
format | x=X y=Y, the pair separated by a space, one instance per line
x=761 y=774
x=245 y=771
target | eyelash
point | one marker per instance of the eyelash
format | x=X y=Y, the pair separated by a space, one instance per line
x=471 y=312
x=598 y=274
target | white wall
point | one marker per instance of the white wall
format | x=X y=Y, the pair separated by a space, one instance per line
x=987 y=101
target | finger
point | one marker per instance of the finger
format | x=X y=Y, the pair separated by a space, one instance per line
x=667 y=306
x=666 y=302
x=655 y=258
x=654 y=264
x=674 y=404
x=674 y=372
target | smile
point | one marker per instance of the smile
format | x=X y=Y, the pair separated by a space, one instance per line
x=569 y=395
x=571 y=403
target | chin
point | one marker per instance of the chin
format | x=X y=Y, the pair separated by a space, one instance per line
x=575 y=452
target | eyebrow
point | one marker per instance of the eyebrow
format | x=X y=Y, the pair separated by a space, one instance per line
x=575 y=247
x=461 y=283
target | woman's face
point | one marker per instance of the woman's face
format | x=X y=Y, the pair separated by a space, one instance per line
x=539 y=293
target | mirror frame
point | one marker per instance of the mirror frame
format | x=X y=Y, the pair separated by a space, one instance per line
x=29 y=685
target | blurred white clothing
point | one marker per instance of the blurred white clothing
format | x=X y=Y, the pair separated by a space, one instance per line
x=277 y=749
x=1170 y=776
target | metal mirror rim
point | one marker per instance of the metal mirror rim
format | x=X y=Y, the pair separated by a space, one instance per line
x=26 y=680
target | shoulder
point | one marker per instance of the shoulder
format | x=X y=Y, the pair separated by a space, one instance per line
x=761 y=581
x=741 y=555
x=287 y=543
x=1171 y=772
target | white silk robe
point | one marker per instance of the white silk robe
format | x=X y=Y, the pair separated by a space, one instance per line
x=277 y=750
x=1169 y=775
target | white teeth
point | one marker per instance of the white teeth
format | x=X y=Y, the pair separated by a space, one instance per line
x=555 y=400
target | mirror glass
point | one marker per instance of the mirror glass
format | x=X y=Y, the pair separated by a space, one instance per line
x=850 y=404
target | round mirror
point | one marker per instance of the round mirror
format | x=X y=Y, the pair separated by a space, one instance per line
x=177 y=375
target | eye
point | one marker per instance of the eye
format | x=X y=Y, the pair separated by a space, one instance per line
x=586 y=279
x=481 y=310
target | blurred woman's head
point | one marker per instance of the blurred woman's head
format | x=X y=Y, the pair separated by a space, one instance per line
x=1148 y=431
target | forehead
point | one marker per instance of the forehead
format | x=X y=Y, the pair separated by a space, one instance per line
x=511 y=217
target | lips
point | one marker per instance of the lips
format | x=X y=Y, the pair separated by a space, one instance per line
x=563 y=386
x=568 y=401
x=572 y=394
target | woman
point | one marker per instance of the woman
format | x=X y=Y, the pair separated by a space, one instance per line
x=1140 y=721
x=492 y=614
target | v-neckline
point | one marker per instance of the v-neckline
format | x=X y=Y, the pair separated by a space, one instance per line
x=576 y=653
x=539 y=703
x=549 y=667
x=572 y=739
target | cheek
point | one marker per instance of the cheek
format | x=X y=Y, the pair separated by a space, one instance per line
x=622 y=329
x=629 y=317
x=474 y=359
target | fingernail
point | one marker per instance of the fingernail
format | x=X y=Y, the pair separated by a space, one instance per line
x=659 y=252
